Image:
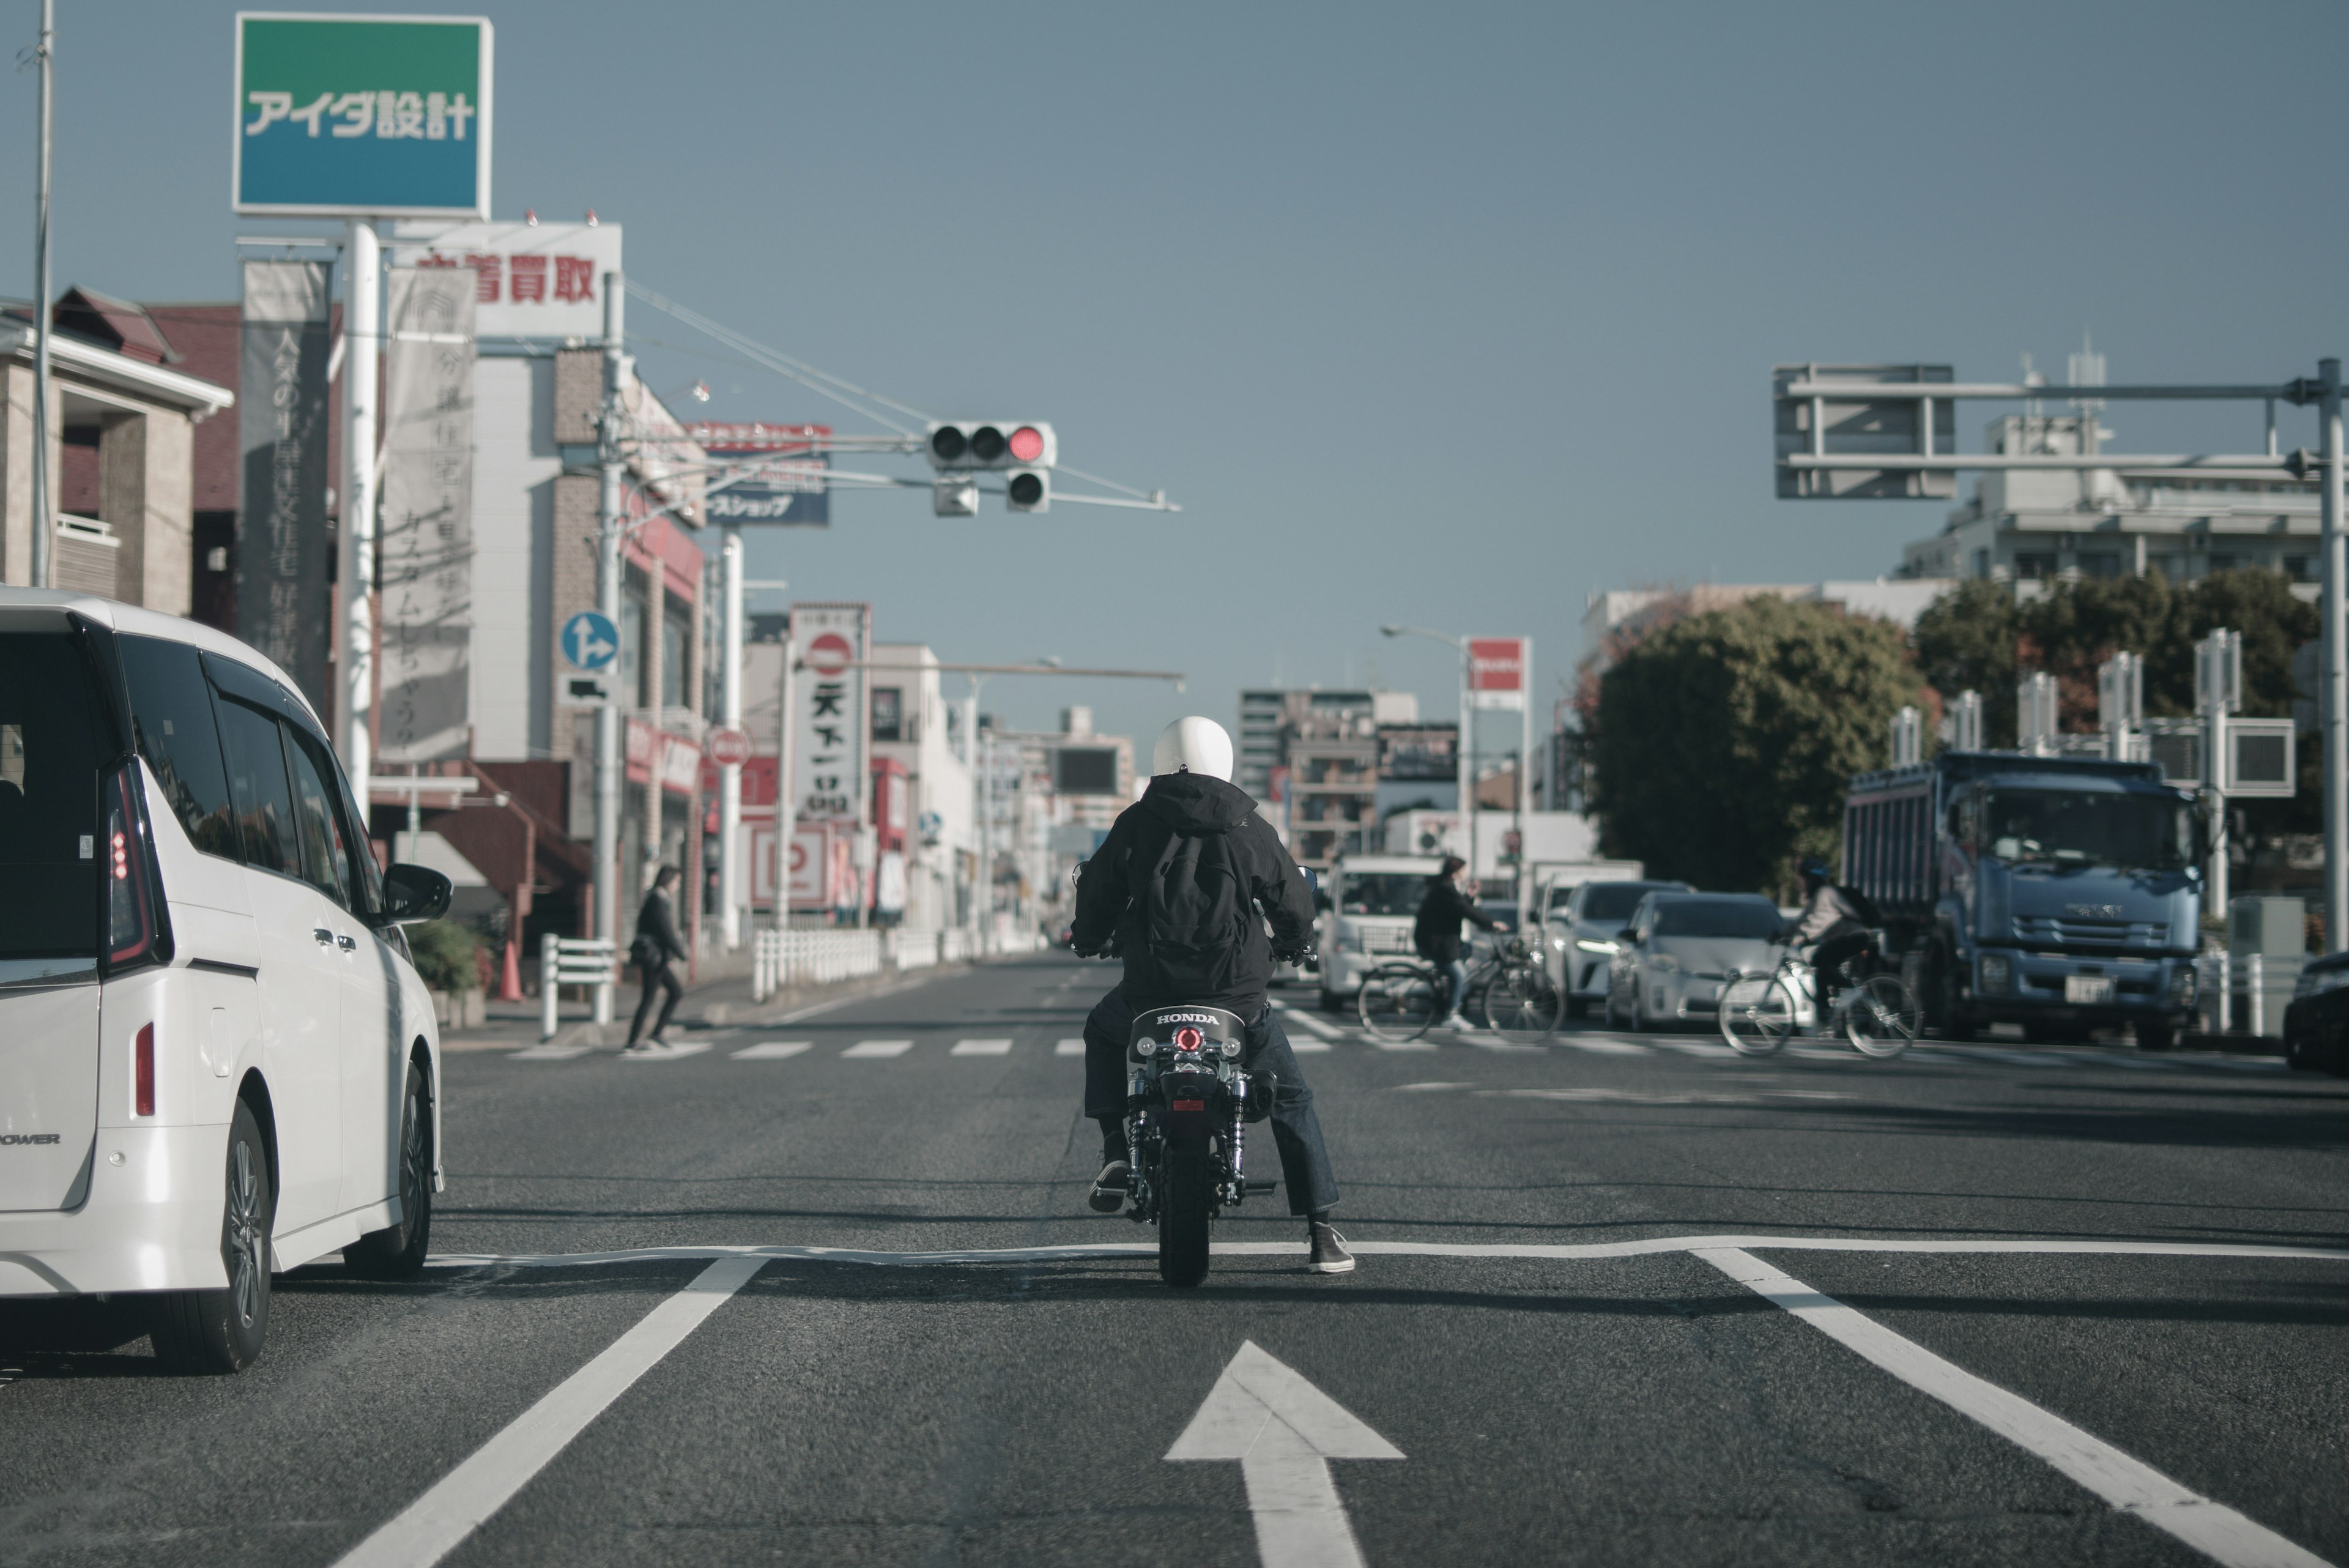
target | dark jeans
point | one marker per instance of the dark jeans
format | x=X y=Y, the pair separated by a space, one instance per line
x=656 y=977
x=1844 y=941
x=1296 y=1130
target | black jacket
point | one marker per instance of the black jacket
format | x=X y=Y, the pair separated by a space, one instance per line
x=1194 y=806
x=1436 y=933
x=657 y=940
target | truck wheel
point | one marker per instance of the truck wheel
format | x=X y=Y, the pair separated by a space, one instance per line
x=2155 y=1034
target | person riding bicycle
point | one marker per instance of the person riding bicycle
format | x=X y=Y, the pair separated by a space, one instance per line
x=1835 y=922
x=1174 y=890
x=1436 y=933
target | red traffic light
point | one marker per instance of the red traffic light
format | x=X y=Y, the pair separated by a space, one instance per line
x=1027 y=444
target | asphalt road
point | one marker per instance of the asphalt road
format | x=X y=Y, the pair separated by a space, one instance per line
x=1611 y=1365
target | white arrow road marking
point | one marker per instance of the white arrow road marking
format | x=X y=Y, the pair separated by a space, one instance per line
x=2130 y=1485
x=437 y=1523
x=1284 y=1432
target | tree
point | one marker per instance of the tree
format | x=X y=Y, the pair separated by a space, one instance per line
x=1966 y=641
x=1726 y=741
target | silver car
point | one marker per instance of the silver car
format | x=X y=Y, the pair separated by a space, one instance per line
x=1677 y=950
x=1584 y=925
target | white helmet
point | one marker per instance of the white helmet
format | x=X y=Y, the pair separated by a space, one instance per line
x=1192 y=745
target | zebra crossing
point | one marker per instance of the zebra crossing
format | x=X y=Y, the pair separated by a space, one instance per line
x=1309 y=1034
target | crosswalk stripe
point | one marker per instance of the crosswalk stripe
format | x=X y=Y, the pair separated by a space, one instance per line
x=1693 y=1048
x=550 y=1052
x=1307 y=1021
x=1603 y=1045
x=981 y=1048
x=1306 y=1047
x=1069 y=1048
x=689 y=1048
x=879 y=1048
x=771 y=1050
x=1420 y=1044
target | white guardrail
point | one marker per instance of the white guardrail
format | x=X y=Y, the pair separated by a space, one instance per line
x=780 y=959
x=2245 y=995
x=571 y=960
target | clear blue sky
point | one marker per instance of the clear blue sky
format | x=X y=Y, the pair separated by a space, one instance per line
x=1450 y=315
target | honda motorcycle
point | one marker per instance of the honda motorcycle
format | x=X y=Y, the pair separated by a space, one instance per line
x=1188 y=1103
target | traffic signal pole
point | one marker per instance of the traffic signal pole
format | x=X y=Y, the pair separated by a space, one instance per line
x=607 y=600
x=730 y=777
x=354 y=557
x=2333 y=686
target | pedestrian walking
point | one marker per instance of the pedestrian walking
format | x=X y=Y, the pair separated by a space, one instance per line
x=656 y=947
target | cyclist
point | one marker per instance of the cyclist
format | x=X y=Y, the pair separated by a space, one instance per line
x=1436 y=933
x=1835 y=922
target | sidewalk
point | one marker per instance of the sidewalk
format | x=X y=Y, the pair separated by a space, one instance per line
x=718 y=1000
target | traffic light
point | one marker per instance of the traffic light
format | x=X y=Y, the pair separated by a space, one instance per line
x=1024 y=450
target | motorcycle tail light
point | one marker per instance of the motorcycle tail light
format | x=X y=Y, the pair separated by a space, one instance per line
x=1188 y=1038
x=1190 y=1105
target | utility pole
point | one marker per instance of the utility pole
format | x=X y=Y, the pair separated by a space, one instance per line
x=607 y=600
x=2333 y=686
x=355 y=552
x=44 y=503
x=729 y=776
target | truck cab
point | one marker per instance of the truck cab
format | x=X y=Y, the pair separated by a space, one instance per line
x=1373 y=904
x=2062 y=894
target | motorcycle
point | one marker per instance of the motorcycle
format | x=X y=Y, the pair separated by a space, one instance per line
x=1188 y=1103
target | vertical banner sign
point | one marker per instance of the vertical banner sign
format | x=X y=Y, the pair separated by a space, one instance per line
x=281 y=522
x=830 y=742
x=361 y=116
x=1496 y=672
x=427 y=532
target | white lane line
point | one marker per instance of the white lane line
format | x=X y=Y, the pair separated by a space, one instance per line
x=1820 y=1054
x=1308 y=1047
x=1069 y=1047
x=1299 y=1016
x=550 y=1052
x=879 y=1048
x=435 y=1524
x=1422 y=1043
x=1603 y=1045
x=981 y=1048
x=1549 y=1252
x=2128 y=1484
x=667 y=1053
x=1428 y=1088
x=771 y=1050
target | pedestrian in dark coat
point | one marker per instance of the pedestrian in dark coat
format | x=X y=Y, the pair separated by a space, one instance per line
x=656 y=947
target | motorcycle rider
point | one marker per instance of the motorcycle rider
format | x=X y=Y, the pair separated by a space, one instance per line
x=1834 y=920
x=1193 y=842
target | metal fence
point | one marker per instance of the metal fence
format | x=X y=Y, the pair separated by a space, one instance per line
x=2246 y=995
x=573 y=961
x=780 y=959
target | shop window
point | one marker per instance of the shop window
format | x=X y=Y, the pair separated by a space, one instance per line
x=889 y=713
x=677 y=636
x=636 y=669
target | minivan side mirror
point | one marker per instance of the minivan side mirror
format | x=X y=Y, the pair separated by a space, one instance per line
x=412 y=894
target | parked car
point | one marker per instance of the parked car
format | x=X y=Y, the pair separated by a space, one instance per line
x=2317 y=1020
x=1677 y=950
x=216 y=1057
x=1584 y=931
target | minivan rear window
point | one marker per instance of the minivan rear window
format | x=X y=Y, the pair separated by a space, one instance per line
x=171 y=714
x=48 y=800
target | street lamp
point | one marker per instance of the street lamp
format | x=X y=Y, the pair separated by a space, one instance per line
x=1465 y=785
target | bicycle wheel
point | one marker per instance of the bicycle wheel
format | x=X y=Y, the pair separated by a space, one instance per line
x=1520 y=1004
x=1882 y=1017
x=1397 y=1003
x=1757 y=1013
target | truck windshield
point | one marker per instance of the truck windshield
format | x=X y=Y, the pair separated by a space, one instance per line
x=2075 y=827
x=49 y=804
x=1383 y=893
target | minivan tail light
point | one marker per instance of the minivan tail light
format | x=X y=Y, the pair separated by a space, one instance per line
x=137 y=930
x=142 y=1071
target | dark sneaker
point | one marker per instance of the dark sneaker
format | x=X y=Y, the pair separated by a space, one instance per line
x=1109 y=1189
x=1329 y=1254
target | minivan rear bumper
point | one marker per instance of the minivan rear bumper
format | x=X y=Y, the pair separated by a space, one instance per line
x=151 y=1223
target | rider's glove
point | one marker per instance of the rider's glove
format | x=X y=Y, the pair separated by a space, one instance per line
x=1300 y=956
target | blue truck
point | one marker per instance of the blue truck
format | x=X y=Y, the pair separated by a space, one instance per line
x=2062 y=893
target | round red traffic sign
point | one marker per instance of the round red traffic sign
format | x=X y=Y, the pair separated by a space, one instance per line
x=727 y=748
x=830 y=654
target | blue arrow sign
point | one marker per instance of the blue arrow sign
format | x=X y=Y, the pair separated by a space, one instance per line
x=590 y=640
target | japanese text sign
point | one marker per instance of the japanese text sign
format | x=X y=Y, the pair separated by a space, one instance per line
x=830 y=742
x=361 y=116
x=530 y=280
x=766 y=475
x=1498 y=670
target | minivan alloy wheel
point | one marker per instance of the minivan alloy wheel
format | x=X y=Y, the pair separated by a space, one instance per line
x=246 y=1240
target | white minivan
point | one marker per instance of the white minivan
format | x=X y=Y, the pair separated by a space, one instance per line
x=216 y=1059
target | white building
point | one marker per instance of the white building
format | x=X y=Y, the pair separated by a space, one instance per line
x=1899 y=601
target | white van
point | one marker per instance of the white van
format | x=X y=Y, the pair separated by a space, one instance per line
x=216 y=1059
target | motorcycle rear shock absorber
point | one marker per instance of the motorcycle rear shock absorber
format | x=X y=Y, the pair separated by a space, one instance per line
x=1238 y=1193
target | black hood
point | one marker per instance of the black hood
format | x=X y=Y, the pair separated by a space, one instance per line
x=1194 y=804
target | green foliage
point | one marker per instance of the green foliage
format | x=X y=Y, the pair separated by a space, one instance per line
x=1724 y=741
x=445 y=952
x=1965 y=641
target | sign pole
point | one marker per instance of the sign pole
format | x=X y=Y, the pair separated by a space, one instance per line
x=44 y=503
x=607 y=600
x=355 y=565
x=730 y=777
x=1525 y=784
x=786 y=781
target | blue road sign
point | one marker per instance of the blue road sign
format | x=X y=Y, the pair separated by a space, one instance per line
x=590 y=640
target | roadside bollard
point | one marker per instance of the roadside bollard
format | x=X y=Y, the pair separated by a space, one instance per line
x=550 y=964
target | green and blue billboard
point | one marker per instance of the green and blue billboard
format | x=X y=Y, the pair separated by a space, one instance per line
x=362 y=115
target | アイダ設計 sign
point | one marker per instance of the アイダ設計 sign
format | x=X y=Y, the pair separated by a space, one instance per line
x=359 y=117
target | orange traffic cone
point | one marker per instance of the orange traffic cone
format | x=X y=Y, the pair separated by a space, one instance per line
x=510 y=984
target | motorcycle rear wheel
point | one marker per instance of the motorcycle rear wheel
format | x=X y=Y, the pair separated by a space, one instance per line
x=1186 y=1215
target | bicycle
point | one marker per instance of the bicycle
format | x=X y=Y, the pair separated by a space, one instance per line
x=1879 y=1016
x=1400 y=1001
